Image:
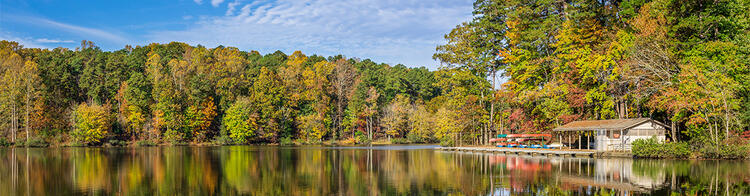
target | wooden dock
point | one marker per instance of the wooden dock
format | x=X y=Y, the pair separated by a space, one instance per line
x=524 y=151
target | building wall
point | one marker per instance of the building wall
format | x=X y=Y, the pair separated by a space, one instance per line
x=605 y=140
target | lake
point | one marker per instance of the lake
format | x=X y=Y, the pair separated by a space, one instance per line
x=378 y=170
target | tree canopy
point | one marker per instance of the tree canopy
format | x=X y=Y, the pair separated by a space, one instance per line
x=177 y=93
x=682 y=62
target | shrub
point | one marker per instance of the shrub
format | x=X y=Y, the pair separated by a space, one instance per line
x=4 y=142
x=446 y=141
x=677 y=150
x=646 y=147
x=174 y=136
x=222 y=140
x=361 y=138
x=59 y=139
x=309 y=141
x=92 y=123
x=75 y=144
x=399 y=141
x=286 y=141
x=364 y=140
x=145 y=143
x=652 y=148
x=724 y=151
x=414 y=138
x=347 y=141
x=36 y=142
x=19 y=142
x=33 y=142
x=420 y=138
x=118 y=143
x=709 y=152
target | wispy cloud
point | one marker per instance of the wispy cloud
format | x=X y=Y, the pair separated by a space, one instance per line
x=53 y=41
x=198 y=1
x=25 y=41
x=391 y=31
x=231 y=7
x=74 y=29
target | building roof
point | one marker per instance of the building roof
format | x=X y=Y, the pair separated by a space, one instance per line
x=614 y=124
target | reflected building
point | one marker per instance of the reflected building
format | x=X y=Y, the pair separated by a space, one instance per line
x=575 y=174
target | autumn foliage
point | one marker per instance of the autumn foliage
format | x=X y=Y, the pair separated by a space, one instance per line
x=678 y=62
x=92 y=123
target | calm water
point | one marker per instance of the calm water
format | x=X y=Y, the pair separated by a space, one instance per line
x=385 y=170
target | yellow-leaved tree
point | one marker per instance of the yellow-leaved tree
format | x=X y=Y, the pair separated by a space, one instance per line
x=92 y=123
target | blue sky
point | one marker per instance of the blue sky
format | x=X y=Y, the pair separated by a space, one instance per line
x=390 y=31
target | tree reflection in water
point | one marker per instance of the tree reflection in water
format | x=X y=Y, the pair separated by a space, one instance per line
x=253 y=170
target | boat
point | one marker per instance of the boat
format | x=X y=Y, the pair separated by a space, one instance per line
x=540 y=141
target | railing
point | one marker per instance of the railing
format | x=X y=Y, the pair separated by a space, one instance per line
x=617 y=144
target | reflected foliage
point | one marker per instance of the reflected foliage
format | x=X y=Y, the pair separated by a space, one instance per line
x=393 y=170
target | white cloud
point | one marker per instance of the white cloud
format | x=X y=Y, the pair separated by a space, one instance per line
x=198 y=1
x=79 y=30
x=404 y=31
x=52 y=41
x=231 y=7
x=216 y=3
x=25 y=41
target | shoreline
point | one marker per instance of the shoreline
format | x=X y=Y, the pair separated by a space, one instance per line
x=563 y=153
x=574 y=153
x=341 y=143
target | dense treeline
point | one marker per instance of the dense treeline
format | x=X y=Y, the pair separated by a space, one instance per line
x=176 y=93
x=686 y=63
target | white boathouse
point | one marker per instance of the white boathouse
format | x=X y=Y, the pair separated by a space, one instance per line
x=609 y=135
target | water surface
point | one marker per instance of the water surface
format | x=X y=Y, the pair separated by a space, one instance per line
x=379 y=170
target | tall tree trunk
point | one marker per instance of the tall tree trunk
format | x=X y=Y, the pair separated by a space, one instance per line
x=26 y=122
x=674 y=136
x=460 y=143
x=712 y=130
x=483 y=127
x=502 y=128
x=369 y=128
x=338 y=118
x=492 y=105
x=618 y=108
x=14 y=122
x=716 y=132
x=726 y=116
x=627 y=115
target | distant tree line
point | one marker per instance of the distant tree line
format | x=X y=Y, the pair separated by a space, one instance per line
x=176 y=93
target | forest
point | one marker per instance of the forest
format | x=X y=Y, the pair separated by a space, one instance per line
x=176 y=93
x=684 y=63
x=515 y=67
